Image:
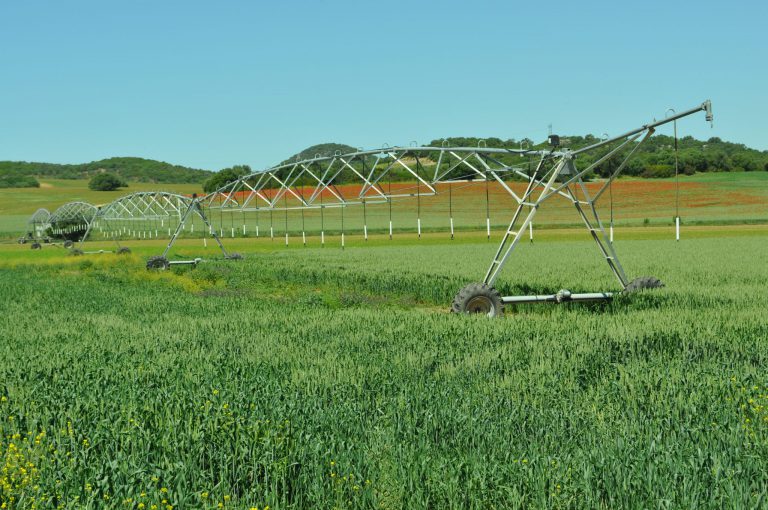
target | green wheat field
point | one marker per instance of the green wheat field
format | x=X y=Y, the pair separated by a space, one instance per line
x=328 y=378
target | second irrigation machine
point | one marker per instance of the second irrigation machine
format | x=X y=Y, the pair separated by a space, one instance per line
x=556 y=172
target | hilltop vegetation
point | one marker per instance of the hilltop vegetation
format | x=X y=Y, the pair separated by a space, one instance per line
x=655 y=158
x=130 y=169
x=321 y=150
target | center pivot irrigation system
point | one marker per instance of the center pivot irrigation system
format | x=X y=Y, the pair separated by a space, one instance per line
x=310 y=184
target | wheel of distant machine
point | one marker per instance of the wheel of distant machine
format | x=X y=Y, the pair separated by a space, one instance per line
x=36 y=246
x=123 y=250
x=158 y=263
x=68 y=244
x=75 y=252
x=642 y=283
x=234 y=256
x=478 y=298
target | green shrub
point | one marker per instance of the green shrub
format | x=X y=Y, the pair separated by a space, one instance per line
x=106 y=182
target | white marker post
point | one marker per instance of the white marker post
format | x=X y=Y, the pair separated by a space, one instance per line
x=530 y=231
x=677 y=228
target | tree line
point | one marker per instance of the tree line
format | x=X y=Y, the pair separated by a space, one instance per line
x=127 y=168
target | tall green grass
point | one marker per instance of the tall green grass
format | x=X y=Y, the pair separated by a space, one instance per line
x=326 y=379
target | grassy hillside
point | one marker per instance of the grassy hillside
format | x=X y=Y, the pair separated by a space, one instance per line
x=131 y=169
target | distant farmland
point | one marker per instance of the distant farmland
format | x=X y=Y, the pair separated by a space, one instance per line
x=712 y=198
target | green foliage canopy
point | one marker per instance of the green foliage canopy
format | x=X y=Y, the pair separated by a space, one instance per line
x=13 y=179
x=106 y=182
x=224 y=177
x=130 y=169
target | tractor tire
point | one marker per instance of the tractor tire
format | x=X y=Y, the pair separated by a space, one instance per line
x=123 y=250
x=478 y=298
x=68 y=244
x=36 y=246
x=158 y=263
x=75 y=252
x=643 y=283
x=234 y=256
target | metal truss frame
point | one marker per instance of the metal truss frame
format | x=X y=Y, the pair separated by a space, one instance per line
x=39 y=222
x=308 y=181
x=146 y=206
x=73 y=217
x=556 y=173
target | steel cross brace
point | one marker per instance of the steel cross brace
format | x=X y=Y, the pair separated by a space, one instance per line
x=194 y=207
x=565 y=167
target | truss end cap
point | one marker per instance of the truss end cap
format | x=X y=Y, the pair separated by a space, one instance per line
x=707 y=107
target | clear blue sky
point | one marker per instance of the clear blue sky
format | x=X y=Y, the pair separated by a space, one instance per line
x=212 y=84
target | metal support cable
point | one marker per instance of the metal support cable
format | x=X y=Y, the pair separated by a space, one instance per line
x=322 y=220
x=450 y=206
x=303 y=230
x=487 y=208
x=389 y=200
x=418 y=199
x=677 y=174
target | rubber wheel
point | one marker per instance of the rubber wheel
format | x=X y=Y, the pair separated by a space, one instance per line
x=159 y=263
x=68 y=244
x=123 y=250
x=36 y=246
x=642 y=283
x=75 y=252
x=478 y=298
x=234 y=256
x=22 y=241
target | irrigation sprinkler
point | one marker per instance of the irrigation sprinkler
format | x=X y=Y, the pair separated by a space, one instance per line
x=37 y=229
x=309 y=184
x=557 y=173
x=71 y=223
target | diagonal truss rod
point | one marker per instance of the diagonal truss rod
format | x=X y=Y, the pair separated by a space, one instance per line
x=565 y=171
